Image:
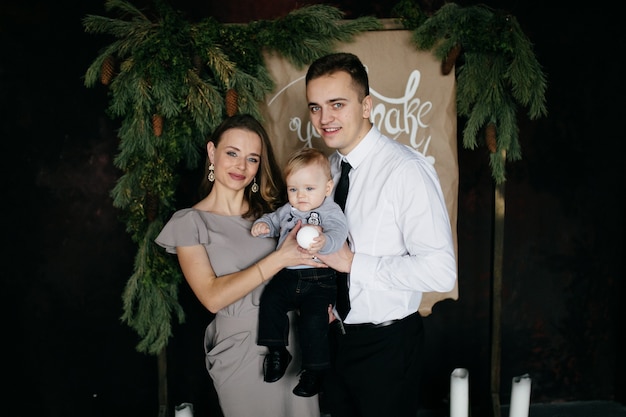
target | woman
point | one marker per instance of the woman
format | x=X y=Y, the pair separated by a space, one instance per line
x=227 y=268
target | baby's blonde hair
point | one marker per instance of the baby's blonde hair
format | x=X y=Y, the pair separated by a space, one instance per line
x=305 y=157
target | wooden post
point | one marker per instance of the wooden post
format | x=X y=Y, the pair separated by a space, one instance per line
x=162 y=369
x=496 y=295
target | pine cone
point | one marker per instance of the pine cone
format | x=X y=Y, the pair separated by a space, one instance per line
x=157 y=125
x=197 y=64
x=231 y=102
x=490 y=138
x=151 y=207
x=450 y=60
x=107 y=70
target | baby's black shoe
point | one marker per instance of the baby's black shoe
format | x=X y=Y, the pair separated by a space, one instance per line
x=275 y=364
x=309 y=385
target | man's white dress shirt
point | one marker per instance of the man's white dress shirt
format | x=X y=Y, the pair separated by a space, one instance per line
x=399 y=230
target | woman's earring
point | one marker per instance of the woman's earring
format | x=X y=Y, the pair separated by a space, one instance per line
x=255 y=186
x=211 y=176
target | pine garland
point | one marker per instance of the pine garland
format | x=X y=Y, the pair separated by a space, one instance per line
x=496 y=70
x=171 y=83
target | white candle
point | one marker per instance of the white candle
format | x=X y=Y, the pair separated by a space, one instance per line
x=520 y=396
x=459 y=393
x=183 y=410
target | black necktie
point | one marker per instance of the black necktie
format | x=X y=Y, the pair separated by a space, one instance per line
x=341 y=194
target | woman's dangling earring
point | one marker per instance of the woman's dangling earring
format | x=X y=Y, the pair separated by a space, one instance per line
x=211 y=176
x=255 y=186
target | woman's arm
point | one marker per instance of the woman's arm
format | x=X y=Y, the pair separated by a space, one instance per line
x=215 y=294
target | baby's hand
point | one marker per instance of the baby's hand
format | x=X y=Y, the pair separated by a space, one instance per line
x=260 y=228
x=317 y=244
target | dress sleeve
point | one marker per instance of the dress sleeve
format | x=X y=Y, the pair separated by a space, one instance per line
x=183 y=229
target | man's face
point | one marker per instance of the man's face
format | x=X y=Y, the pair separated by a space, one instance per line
x=336 y=112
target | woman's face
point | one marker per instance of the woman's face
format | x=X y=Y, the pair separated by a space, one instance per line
x=237 y=158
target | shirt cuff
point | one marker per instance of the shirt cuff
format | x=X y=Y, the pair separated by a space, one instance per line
x=363 y=267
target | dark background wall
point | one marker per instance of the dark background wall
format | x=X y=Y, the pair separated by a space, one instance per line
x=66 y=256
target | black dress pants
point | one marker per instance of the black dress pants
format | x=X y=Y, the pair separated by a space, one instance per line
x=375 y=370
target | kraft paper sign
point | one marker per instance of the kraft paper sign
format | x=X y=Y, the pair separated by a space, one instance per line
x=413 y=103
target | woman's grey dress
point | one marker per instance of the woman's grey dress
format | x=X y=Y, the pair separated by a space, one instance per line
x=233 y=359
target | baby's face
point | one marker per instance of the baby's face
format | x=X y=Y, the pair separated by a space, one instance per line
x=307 y=187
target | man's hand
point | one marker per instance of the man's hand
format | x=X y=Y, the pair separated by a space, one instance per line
x=340 y=261
x=331 y=314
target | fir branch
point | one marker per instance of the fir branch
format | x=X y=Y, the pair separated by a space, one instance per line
x=292 y=37
x=440 y=26
x=411 y=15
x=203 y=102
x=221 y=66
x=150 y=298
x=527 y=77
x=497 y=71
x=348 y=29
x=189 y=139
x=508 y=131
x=125 y=7
x=241 y=44
x=496 y=163
x=137 y=29
x=251 y=91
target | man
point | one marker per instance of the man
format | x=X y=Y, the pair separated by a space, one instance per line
x=400 y=247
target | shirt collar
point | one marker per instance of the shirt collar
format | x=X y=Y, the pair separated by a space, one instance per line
x=360 y=152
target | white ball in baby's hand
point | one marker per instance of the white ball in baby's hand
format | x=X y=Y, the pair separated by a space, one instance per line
x=305 y=236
